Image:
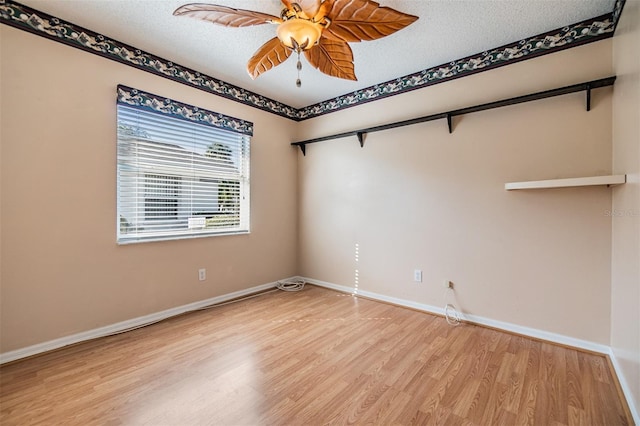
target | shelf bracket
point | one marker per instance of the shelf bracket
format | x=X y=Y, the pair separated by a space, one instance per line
x=449 y=123
x=588 y=97
x=303 y=148
x=360 y=136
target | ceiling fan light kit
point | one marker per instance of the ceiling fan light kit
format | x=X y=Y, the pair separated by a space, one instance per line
x=299 y=34
x=320 y=29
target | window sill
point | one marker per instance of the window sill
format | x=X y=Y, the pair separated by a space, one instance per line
x=150 y=239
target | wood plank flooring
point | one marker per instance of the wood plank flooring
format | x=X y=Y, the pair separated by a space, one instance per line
x=310 y=358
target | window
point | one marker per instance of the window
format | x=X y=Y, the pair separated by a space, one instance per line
x=161 y=197
x=182 y=171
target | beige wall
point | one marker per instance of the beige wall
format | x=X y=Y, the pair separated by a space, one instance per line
x=419 y=198
x=539 y=259
x=61 y=269
x=625 y=282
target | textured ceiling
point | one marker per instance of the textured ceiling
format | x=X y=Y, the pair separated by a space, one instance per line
x=447 y=30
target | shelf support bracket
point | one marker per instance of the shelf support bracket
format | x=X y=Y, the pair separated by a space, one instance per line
x=588 y=97
x=449 y=123
x=303 y=148
x=360 y=136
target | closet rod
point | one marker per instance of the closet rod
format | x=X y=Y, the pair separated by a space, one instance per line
x=586 y=86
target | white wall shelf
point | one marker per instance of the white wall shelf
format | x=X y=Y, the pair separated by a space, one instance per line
x=565 y=183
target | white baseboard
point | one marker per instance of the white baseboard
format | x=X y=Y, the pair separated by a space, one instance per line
x=125 y=325
x=514 y=328
x=626 y=390
x=525 y=331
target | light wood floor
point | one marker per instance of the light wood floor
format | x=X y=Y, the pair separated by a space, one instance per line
x=309 y=358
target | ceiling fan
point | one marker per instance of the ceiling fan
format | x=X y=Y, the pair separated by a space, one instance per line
x=321 y=29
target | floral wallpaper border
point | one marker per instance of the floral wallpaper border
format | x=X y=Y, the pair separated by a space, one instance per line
x=552 y=41
x=40 y=23
x=150 y=102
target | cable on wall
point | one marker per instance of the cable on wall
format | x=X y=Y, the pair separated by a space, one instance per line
x=451 y=314
x=285 y=285
x=203 y=308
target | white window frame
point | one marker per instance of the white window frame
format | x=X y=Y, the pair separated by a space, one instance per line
x=183 y=172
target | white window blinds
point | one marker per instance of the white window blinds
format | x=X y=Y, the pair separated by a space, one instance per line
x=179 y=178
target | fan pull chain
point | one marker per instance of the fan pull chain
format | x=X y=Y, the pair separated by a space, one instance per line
x=299 y=66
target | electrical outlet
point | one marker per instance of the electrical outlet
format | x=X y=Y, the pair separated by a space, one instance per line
x=417 y=275
x=202 y=274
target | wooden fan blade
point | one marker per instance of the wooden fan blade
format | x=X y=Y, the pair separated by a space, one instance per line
x=323 y=10
x=309 y=7
x=333 y=58
x=270 y=54
x=227 y=16
x=358 y=20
